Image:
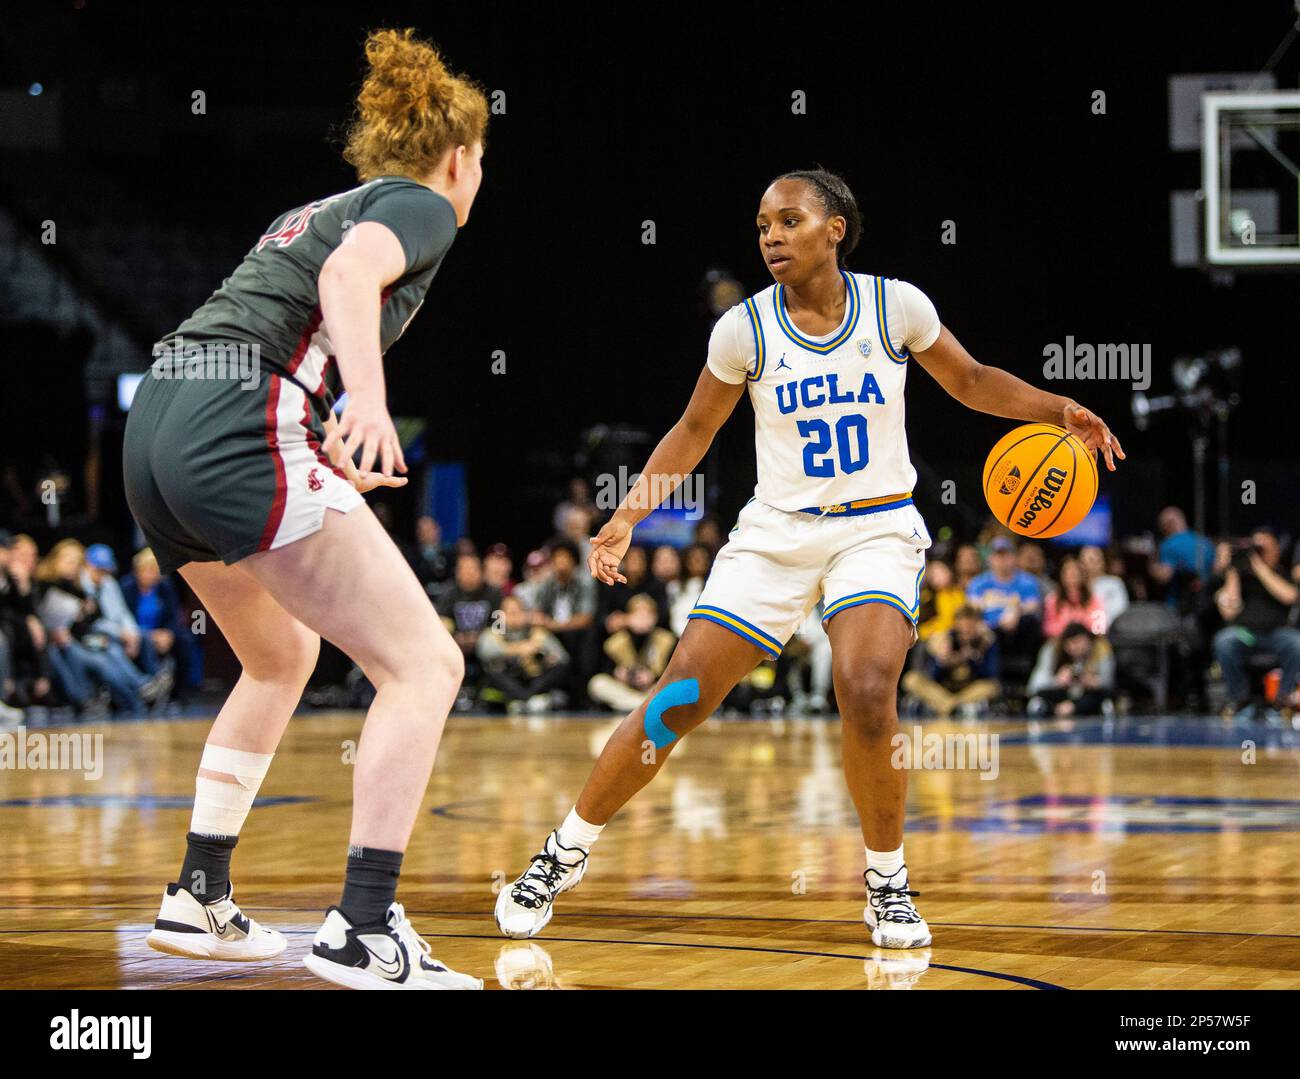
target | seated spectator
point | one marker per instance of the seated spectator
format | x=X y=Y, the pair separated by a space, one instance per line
x=429 y=557
x=466 y=608
x=760 y=692
x=967 y=564
x=9 y=715
x=497 y=567
x=579 y=498
x=611 y=604
x=810 y=651
x=697 y=560
x=1031 y=558
x=115 y=621
x=1132 y=566
x=9 y=617
x=639 y=652
x=1072 y=601
x=1012 y=603
x=1074 y=676
x=577 y=530
x=960 y=669
x=82 y=658
x=537 y=568
x=709 y=533
x=666 y=568
x=30 y=673
x=941 y=599
x=522 y=661
x=1107 y=587
x=566 y=605
x=1256 y=600
x=153 y=604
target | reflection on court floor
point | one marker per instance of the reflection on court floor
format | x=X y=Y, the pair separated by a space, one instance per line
x=1144 y=853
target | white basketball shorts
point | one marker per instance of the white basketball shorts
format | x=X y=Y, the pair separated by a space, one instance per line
x=777 y=565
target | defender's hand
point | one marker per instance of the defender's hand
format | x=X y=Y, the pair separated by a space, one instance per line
x=367 y=426
x=368 y=481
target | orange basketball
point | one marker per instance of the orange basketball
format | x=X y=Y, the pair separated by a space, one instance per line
x=1040 y=480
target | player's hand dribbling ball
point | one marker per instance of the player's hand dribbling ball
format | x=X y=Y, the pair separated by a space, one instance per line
x=1040 y=480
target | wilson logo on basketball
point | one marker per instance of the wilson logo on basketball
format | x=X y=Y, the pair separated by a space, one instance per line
x=1053 y=481
x=1011 y=481
x=314 y=481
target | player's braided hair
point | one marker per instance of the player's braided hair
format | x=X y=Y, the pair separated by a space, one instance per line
x=836 y=198
x=411 y=108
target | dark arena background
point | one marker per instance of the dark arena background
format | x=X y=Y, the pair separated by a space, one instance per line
x=1100 y=199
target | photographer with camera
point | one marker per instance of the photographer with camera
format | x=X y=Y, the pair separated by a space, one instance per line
x=1255 y=602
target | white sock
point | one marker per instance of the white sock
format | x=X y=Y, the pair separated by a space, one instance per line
x=887 y=862
x=576 y=832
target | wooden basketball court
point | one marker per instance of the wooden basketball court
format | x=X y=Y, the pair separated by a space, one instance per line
x=1148 y=853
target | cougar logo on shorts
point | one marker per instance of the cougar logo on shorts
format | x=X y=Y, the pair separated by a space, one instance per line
x=314 y=481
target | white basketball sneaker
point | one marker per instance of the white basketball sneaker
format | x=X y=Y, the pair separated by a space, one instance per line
x=890 y=913
x=388 y=955
x=218 y=930
x=524 y=908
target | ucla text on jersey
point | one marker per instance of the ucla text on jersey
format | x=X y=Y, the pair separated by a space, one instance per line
x=829 y=411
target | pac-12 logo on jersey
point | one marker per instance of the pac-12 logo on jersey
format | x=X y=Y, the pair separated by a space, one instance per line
x=864 y=346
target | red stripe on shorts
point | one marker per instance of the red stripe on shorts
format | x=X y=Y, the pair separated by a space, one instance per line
x=314 y=442
x=304 y=342
x=273 y=444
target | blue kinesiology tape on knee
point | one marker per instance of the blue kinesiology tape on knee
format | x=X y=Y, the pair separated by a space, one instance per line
x=685 y=691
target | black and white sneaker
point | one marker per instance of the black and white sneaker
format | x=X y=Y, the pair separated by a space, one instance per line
x=218 y=930
x=890 y=913
x=387 y=955
x=524 y=908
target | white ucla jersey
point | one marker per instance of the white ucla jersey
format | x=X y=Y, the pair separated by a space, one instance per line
x=828 y=411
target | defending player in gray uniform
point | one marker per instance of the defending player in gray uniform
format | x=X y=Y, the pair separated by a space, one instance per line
x=240 y=479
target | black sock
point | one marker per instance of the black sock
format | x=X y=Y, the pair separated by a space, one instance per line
x=205 y=873
x=370 y=885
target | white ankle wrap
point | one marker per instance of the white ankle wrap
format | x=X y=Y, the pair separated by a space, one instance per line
x=220 y=807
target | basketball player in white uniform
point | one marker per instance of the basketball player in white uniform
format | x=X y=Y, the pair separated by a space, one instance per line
x=824 y=355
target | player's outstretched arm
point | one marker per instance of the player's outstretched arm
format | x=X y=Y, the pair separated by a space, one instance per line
x=676 y=456
x=1000 y=393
